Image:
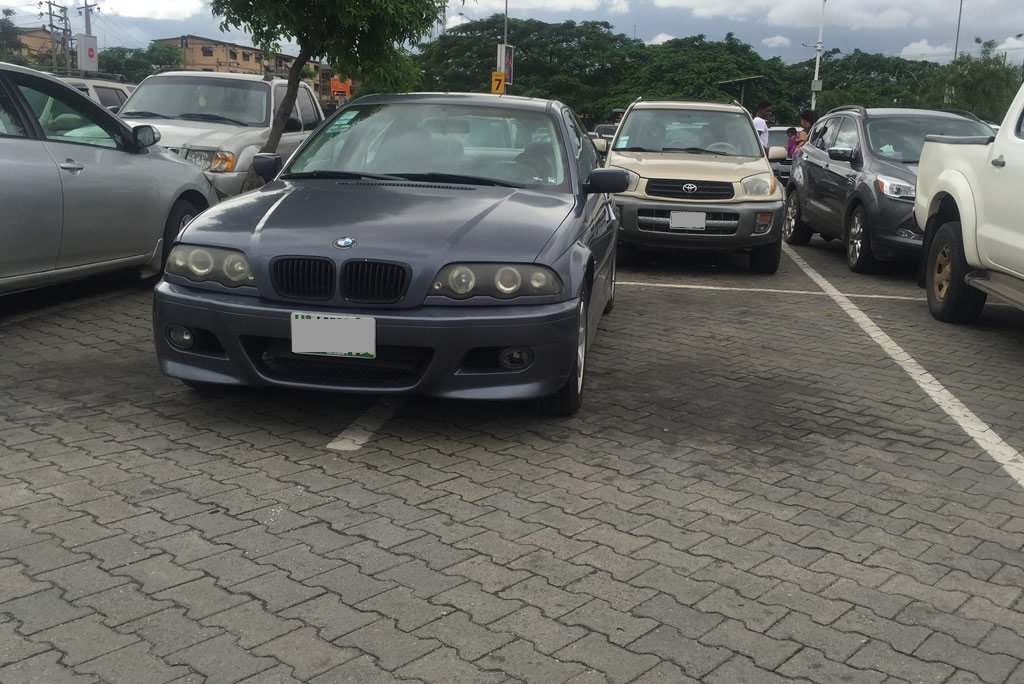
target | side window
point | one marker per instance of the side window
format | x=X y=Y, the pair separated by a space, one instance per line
x=108 y=96
x=848 y=135
x=279 y=96
x=581 y=147
x=67 y=117
x=824 y=134
x=11 y=125
x=310 y=113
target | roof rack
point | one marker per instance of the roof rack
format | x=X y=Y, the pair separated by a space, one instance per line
x=961 y=112
x=849 y=108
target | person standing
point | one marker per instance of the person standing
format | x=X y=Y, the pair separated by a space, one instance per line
x=761 y=119
x=792 y=142
x=807 y=119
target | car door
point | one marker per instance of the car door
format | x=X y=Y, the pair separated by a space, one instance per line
x=111 y=201
x=840 y=178
x=30 y=194
x=599 y=218
x=1000 y=228
x=290 y=140
x=813 y=160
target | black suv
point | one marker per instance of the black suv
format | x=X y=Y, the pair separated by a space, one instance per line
x=855 y=178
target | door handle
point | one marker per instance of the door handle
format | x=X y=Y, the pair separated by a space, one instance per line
x=72 y=166
x=999 y=162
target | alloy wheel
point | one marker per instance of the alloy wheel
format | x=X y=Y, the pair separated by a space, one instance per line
x=940 y=282
x=855 y=242
x=789 y=224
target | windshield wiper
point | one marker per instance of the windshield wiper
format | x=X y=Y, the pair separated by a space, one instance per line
x=203 y=116
x=344 y=175
x=144 y=114
x=437 y=177
x=692 y=150
x=909 y=161
x=635 y=149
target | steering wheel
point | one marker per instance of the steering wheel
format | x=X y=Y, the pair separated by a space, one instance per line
x=723 y=147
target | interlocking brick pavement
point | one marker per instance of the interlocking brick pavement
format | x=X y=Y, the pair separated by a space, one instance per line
x=754 y=492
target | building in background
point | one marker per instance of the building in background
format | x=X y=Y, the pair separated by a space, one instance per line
x=38 y=42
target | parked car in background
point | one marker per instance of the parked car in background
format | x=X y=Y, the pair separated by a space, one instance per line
x=409 y=246
x=969 y=203
x=777 y=138
x=854 y=180
x=110 y=94
x=606 y=131
x=699 y=180
x=80 y=191
x=219 y=121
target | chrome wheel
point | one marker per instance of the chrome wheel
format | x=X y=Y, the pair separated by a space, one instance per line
x=789 y=224
x=185 y=220
x=855 y=242
x=941 y=279
x=581 y=347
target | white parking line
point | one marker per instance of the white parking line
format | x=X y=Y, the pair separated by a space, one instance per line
x=362 y=428
x=986 y=438
x=816 y=293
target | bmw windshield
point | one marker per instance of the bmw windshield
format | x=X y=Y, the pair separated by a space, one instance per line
x=436 y=142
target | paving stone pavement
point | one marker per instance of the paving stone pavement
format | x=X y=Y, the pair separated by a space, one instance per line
x=754 y=492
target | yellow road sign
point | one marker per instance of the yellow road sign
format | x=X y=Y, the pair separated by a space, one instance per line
x=498 y=82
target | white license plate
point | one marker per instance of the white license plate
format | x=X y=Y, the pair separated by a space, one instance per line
x=687 y=220
x=350 y=336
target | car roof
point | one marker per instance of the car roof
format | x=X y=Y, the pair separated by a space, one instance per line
x=689 y=104
x=880 y=112
x=94 y=81
x=7 y=66
x=216 y=74
x=518 y=102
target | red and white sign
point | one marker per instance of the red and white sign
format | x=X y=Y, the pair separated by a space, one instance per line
x=87 y=57
x=505 y=61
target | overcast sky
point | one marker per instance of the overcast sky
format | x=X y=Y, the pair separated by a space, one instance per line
x=917 y=29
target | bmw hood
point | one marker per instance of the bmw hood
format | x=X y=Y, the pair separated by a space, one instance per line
x=416 y=223
x=202 y=135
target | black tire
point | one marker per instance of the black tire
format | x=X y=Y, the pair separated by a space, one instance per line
x=826 y=238
x=950 y=299
x=766 y=259
x=610 y=304
x=569 y=398
x=182 y=212
x=859 y=255
x=794 y=230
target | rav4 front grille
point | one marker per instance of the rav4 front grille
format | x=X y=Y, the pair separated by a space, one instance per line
x=689 y=189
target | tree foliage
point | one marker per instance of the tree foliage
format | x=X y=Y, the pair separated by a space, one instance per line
x=10 y=40
x=594 y=70
x=353 y=36
x=136 y=64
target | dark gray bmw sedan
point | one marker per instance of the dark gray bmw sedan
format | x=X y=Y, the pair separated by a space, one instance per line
x=452 y=245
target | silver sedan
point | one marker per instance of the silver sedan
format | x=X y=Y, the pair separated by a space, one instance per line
x=81 y=191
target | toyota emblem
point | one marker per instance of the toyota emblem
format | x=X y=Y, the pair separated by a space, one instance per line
x=690 y=188
x=344 y=243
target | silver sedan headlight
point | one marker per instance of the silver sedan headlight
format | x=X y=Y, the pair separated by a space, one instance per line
x=502 y=281
x=210 y=264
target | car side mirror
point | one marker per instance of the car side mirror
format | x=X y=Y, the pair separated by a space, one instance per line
x=267 y=166
x=145 y=136
x=602 y=146
x=777 y=153
x=843 y=154
x=293 y=125
x=606 y=180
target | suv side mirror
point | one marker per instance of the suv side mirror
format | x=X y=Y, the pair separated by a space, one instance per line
x=267 y=166
x=293 y=125
x=145 y=136
x=843 y=154
x=602 y=146
x=606 y=180
x=777 y=153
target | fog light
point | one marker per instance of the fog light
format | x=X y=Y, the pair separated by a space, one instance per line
x=180 y=337
x=764 y=223
x=516 y=358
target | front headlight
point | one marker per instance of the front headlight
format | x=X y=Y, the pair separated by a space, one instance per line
x=634 y=178
x=223 y=162
x=895 y=188
x=761 y=185
x=503 y=281
x=201 y=158
x=210 y=264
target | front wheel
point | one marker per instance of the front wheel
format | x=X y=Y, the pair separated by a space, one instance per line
x=766 y=259
x=859 y=255
x=794 y=230
x=182 y=212
x=950 y=299
x=569 y=398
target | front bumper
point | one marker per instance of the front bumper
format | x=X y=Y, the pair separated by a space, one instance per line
x=895 y=234
x=645 y=222
x=227 y=184
x=431 y=350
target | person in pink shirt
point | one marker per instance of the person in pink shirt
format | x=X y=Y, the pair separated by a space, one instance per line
x=792 y=142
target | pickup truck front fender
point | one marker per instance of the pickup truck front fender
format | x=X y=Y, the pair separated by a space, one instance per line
x=948 y=198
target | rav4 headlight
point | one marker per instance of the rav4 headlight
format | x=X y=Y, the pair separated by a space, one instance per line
x=210 y=264
x=502 y=281
x=761 y=185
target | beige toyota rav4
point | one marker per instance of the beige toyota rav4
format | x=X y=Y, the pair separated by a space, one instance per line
x=699 y=180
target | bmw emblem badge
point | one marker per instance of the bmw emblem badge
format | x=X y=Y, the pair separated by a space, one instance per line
x=344 y=243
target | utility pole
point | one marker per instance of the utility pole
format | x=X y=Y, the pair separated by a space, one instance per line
x=818 y=48
x=86 y=10
x=956 y=45
x=67 y=38
x=52 y=15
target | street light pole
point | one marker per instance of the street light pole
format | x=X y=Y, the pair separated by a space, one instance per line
x=506 y=22
x=818 y=47
x=956 y=45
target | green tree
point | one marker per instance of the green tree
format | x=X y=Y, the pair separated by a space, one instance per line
x=136 y=64
x=984 y=84
x=10 y=40
x=352 y=35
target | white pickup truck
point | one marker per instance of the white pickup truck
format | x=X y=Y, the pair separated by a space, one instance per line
x=970 y=201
